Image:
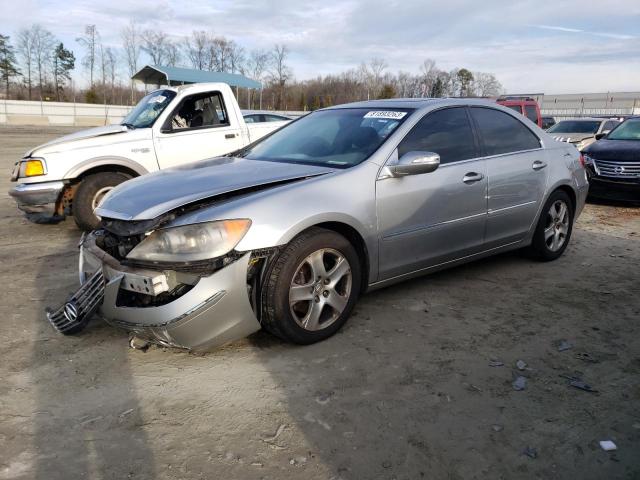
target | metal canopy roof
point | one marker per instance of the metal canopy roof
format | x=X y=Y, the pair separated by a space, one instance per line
x=160 y=75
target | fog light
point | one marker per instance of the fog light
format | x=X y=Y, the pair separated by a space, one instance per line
x=33 y=168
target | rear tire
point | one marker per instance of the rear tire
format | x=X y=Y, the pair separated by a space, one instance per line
x=554 y=228
x=312 y=287
x=89 y=194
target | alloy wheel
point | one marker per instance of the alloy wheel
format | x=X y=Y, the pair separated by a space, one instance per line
x=557 y=226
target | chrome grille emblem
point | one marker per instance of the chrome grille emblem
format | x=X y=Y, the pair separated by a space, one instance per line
x=70 y=311
x=618 y=170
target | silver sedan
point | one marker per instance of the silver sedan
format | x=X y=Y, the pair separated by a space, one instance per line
x=288 y=232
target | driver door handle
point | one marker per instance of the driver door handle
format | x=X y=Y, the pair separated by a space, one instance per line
x=230 y=135
x=538 y=165
x=472 y=177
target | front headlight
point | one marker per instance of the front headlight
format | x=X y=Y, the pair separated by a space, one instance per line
x=190 y=243
x=33 y=167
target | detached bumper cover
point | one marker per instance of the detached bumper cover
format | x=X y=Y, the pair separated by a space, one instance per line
x=37 y=199
x=214 y=312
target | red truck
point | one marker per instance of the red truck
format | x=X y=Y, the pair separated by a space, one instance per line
x=527 y=106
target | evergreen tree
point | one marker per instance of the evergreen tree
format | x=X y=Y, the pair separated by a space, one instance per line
x=8 y=67
x=63 y=62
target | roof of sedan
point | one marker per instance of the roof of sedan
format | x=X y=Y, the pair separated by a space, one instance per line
x=414 y=103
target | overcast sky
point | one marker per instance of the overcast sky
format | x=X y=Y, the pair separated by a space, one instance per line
x=532 y=46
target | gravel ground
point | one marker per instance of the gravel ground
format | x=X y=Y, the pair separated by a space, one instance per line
x=417 y=385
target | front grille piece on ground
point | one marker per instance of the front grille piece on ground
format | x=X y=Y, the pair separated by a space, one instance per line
x=76 y=312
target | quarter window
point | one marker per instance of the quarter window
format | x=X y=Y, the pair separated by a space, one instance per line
x=446 y=132
x=502 y=133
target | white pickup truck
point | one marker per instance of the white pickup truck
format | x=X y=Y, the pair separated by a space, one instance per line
x=168 y=127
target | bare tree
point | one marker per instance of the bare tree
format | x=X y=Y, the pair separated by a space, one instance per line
x=25 y=53
x=429 y=74
x=131 y=47
x=172 y=53
x=43 y=49
x=236 y=58
x=197 y=49
x=486 y=85
x=90 y=41
x=280 y=72
x=256 y=66
x=154 y=43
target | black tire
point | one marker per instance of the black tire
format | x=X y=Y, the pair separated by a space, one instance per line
x=84 y=196
x=540 y=247
x=278 y=318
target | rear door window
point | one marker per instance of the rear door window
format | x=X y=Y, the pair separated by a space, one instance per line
x=446 y=132
x=502 y=133
x=531 y=113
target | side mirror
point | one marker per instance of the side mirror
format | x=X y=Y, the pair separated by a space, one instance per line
x=601 y=135
x=415 y=163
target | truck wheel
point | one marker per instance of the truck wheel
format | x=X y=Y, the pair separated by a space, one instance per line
x=312 y=287
x=89 y=195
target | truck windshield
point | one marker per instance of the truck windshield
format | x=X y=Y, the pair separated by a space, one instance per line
x=339 y=138
x=148 y=109
x=575 y=126
x=629 y=130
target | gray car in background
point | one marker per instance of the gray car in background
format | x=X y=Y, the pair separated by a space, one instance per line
x=287 y=233
x=582 y=132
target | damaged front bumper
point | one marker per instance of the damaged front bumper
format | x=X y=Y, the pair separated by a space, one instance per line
x=214 y=310
x=39 y=201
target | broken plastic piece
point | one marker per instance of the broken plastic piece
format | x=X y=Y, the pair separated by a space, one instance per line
x=608 y=445
x=520 y=383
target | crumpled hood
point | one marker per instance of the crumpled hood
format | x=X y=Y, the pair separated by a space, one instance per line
x=618 y=150
x=147 y=197
x=81 y=135
x=570 y=137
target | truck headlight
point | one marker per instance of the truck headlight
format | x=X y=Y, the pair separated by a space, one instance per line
x=33 y=167
x=190 y=243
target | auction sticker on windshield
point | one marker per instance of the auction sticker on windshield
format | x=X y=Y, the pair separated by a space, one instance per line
x=385 y=114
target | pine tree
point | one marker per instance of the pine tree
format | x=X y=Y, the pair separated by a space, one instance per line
x=8 y=66
x=63 y=62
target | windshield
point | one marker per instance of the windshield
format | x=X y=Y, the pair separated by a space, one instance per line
x=339 y=138
x=148 y=109
x=629 y=130
x=575 y=126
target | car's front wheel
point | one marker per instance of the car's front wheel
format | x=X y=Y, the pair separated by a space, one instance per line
x=312 y=287
x=554 y=228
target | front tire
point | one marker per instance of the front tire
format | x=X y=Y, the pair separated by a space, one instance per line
x=554 y=228
x=90 y=193
x=312 y=287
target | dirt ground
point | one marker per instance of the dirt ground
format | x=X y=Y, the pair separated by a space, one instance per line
x=406 y=390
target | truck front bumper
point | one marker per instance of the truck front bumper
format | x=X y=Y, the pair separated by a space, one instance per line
x=38 y=200
x=215 y=311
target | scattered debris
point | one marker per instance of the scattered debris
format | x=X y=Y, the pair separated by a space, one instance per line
x=586 y=357
x=530 y=452
x=257 y=464
x=564 y=345
x=520 y=383
x=521 y=364
x=138 y=343
x=324 y=398
x=576 y=382
x=608 y=445
x=495 y=363
x=497 y=428
x=125 y=413
x=275 y=436
x=386 y=464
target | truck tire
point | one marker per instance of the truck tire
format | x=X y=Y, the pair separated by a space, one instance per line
x=89 y=194
x=312 y=287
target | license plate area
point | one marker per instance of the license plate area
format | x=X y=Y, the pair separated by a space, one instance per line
x=149 y=284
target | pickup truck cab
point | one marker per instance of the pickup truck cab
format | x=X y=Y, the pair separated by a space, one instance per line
x=167 y=128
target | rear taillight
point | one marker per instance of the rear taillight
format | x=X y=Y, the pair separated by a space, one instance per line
x=582 y=160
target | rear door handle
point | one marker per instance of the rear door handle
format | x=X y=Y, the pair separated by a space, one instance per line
x=230 y=135
x=538 y=165
x=472 y=177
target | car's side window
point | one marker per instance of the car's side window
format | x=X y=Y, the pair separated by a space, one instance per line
x=610 y=125
x=198 y=111
x=501 y=133
x=532 y=113
x=446 y=132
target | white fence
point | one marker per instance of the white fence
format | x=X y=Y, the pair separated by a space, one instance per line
x=22 y=112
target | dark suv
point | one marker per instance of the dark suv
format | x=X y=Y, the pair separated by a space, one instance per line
x=613 y=163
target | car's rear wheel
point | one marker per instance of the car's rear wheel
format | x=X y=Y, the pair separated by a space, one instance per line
x=90 y=193
x=312 y=287
x=554 y=228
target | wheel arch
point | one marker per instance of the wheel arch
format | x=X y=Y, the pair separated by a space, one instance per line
x=106 y=164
